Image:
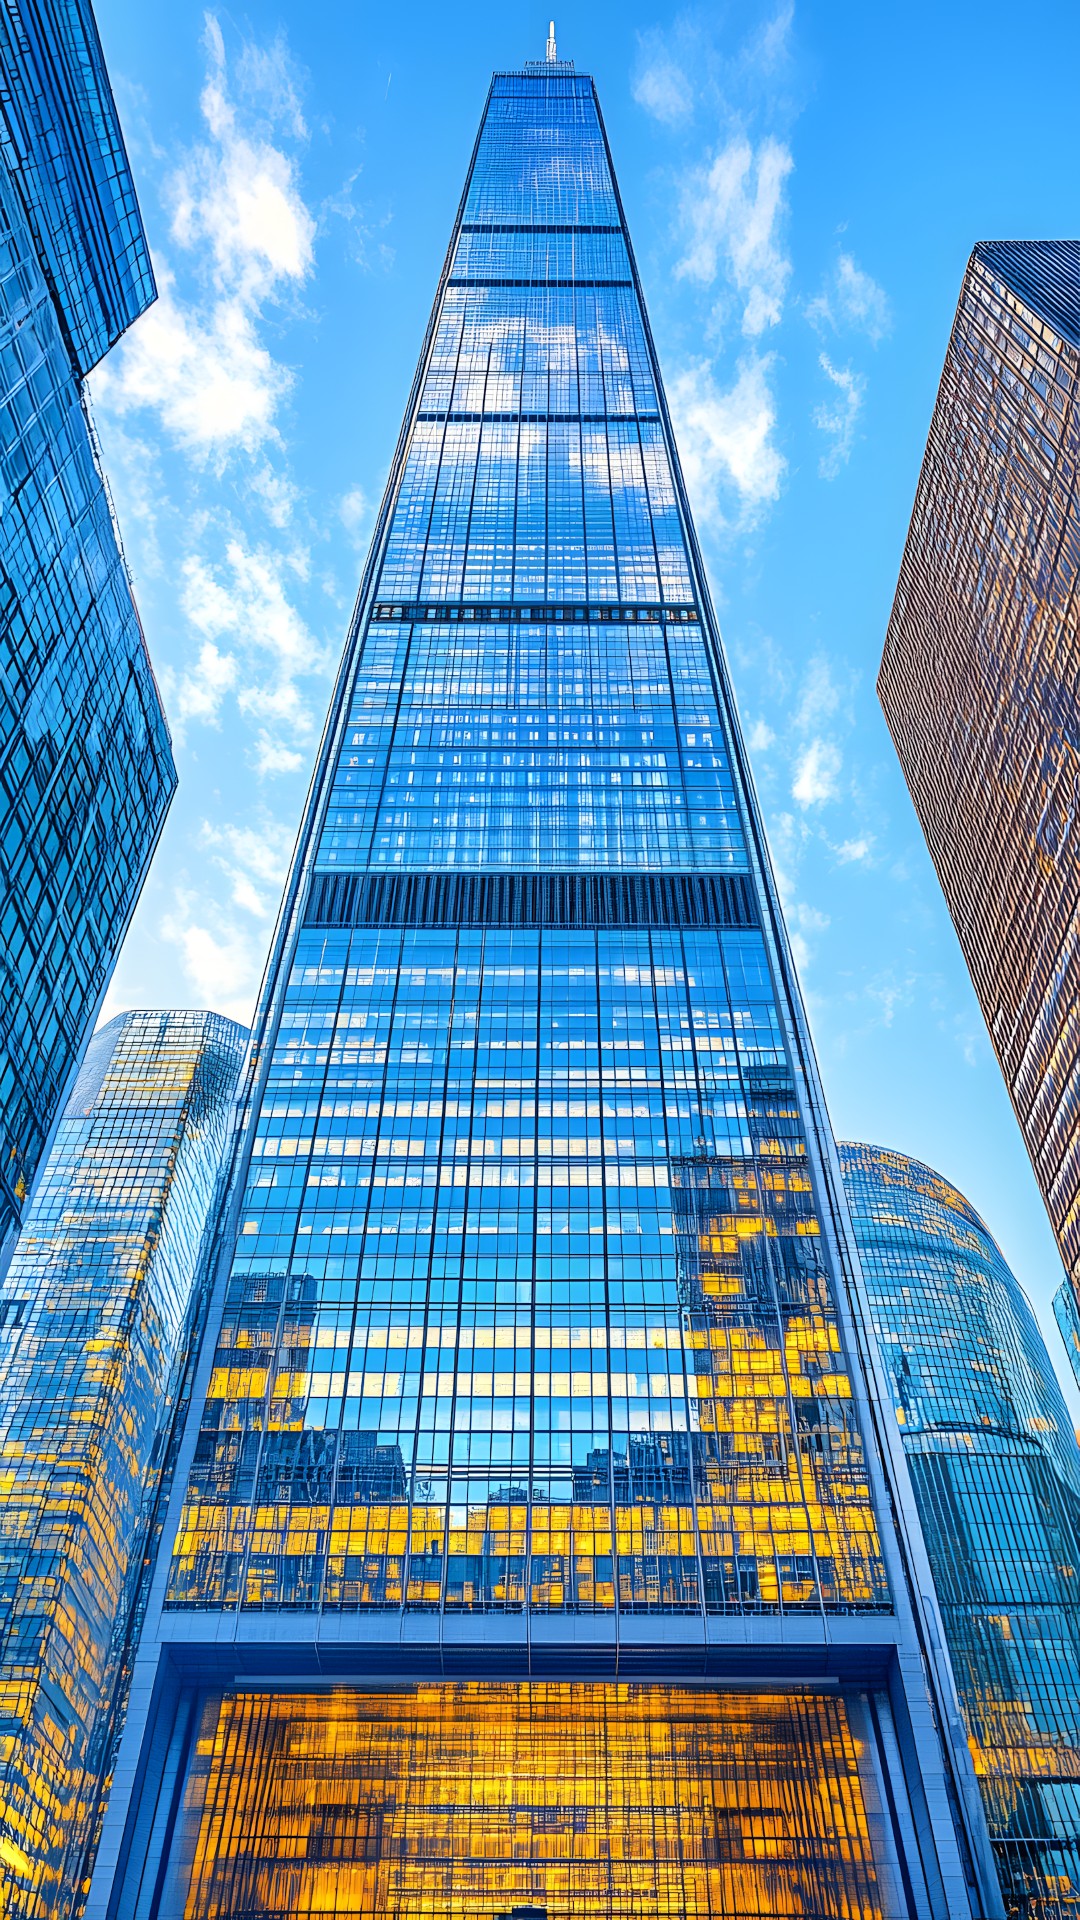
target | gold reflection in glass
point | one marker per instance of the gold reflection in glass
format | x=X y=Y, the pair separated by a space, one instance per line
x=590 y=1802
x=93 y=1312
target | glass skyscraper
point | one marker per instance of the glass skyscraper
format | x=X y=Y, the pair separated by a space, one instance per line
x=534 y=1544
x=980 y=682
x=94 y=1313
x=996 y=1472
x=86 y=770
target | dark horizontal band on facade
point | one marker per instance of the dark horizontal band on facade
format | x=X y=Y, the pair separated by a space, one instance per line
x=520 y=226
x=504 y=280
x=531 y=900
x=572 y=418
x=532 y=611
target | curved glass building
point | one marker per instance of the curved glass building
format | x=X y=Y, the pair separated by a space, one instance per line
x=996 y=1473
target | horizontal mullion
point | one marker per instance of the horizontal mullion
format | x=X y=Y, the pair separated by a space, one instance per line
x=531 y=900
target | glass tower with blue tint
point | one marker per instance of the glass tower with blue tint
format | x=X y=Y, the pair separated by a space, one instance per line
x=533 y=1542
x=86 y=770
x=95 y=1311
x=996 y=1472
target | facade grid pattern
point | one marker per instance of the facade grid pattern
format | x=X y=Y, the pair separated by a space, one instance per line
x=593 y=1802
x=61 y=144
x=86 y=769
x=529 y=1210
x=980 y=681
x=996 y=1472
x=530 y=1350
x=94 y=1311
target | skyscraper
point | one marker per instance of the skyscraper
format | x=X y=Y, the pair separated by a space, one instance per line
x=980 y=682
x=86 y=770
x=996 y=1472
x=533 y=1545
x=94 y=1311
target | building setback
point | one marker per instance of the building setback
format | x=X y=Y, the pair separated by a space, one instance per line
x=95 y=1310
x=86 y=769
x=980 y=683
x=996 y=1472
x=533 y=1541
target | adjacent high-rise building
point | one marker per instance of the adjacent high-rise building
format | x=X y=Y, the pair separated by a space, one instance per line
x=996 y=1472
x=540 y=1535
x=86 y=770
x=95 y=1310
x=980 y=683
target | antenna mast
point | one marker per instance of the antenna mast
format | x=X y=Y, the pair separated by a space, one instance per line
x=551 y=53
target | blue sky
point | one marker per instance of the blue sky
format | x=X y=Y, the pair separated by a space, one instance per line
x=803 y=188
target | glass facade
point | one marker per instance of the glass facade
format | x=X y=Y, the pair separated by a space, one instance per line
x=1067 y=1315
x=590 y=1801
x=996 y=1472
x=529 y=1219
x=532 y=1352
x=980 y=681
x=62 y=147
x=94 y=1316
x=86 y=770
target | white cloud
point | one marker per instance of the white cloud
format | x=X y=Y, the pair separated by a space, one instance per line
x=238 y=194
x=817 y=773
x=858 y=850
x=223 y=963
x=278 y=494
x=760 y=737
x=771 y=45
x=819 y=695
x=851 y=299
x=248 y=596
x=661 y=86
x=271 y=757
x=732 y=210
x=208 y=377
x=255 y=859
x=238 y=212
x=887 y=993
x=789 y=836
x=267 y=74
x=803 y=922
x=837 y=416
x=198 y=692
x=363 y=225
x=354 y=512
x=725 y=439
x=222 y=954
x=245 y=599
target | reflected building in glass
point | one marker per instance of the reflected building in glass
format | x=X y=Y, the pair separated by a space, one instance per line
x=95 y=1315
x=536 y=1487
x=996 y=1473
x=86 y=769
x=980 y=682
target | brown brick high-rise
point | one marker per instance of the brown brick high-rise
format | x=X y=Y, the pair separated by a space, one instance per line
x=980 y=682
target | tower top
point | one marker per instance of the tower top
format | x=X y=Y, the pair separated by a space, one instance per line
x=552 y=54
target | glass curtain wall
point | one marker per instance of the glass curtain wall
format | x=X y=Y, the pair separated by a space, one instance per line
x=86 y=767
x=528 y=1304
x=996 y=1471
x=603 y=1802
x=529 y=1351
x=94 y=1313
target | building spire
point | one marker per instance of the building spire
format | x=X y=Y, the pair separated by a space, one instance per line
x=551 y=53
